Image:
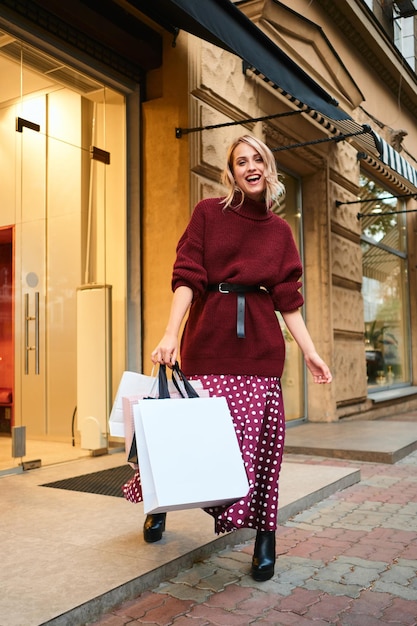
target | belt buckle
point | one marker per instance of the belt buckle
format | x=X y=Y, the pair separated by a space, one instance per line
x=221 y=288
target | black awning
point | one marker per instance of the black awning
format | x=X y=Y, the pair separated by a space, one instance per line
x=220 y=22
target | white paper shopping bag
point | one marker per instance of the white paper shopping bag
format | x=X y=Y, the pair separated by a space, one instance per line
x=189 y=456
x=136 y=386
x=131 y=384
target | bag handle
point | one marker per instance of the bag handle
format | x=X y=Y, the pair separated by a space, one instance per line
x=179 y=379
x=183 y=386
x=163 y=393
x=163 y=383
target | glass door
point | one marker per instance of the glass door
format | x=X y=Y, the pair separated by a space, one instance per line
x=63 y=197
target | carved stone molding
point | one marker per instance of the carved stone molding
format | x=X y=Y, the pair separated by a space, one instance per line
x=339 y=178
x=206 y=170
x=347 y=313
x=350 y=370
x=345 y=283
x=277 y=137
x=207 y=147
x=345 y=162
x=393 y=81
x=344 y=407
x=305 y=42
x=214 y=102
x=346 y=259
x=219 y=104
x=344 y=216
x=345 y=232
x=348 y=336
x=203 y=188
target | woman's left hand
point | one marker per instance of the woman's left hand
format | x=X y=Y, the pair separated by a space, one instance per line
x=318 y=368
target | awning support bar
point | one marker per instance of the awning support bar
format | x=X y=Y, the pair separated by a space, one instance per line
x=365 y=129
x=338 y=203
x=360 y=215
x=179 y=132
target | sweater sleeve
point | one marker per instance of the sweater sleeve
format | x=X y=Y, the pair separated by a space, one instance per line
x=188 y=268
x=286 y=294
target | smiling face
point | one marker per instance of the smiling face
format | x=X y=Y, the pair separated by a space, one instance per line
x=248 y=169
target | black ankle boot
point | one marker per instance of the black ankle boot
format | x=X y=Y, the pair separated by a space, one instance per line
x=264 y=555
x=153 y=527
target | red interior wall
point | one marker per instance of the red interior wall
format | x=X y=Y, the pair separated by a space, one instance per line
x=6 y=313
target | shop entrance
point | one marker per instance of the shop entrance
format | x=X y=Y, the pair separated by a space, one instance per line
x=62 y=234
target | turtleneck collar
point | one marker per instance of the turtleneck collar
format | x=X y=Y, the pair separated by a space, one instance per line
x=252 y=209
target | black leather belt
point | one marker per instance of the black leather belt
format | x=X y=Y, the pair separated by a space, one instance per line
x=240 y=290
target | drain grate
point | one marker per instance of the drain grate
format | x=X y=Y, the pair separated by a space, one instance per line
x=106 y=482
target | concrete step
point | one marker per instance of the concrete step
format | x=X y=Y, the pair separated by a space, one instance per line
x=377 y=441
x=70 y=556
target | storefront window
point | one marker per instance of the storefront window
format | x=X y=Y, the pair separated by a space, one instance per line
x=384 y=287
x=62 y=253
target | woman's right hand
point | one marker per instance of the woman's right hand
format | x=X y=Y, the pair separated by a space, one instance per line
x=166 y=351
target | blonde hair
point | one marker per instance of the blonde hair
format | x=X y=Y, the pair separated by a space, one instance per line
x=274 y=187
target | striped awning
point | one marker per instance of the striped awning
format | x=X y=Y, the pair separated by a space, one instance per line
x=394 y=160
x=370 y=142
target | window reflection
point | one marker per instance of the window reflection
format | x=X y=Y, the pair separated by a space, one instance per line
x=384 y=287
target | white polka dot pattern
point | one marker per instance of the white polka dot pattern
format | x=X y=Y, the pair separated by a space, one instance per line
x=132 y=490
x=258 y=415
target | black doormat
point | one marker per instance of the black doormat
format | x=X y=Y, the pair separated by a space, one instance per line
x=106 y=483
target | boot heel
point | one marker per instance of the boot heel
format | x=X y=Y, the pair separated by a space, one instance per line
x=263 y=562
x=153 y=527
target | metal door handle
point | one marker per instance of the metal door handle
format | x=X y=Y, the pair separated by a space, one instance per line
x=37 y=332
x=27 y=347
x=29 y=318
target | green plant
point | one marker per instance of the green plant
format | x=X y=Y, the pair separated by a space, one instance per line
x=378 y=336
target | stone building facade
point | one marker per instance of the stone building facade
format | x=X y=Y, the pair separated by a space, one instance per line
x=101 y=165
x=367 y=78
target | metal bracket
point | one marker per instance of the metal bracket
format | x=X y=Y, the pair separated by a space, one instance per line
x=22 y=123
x=100 y=155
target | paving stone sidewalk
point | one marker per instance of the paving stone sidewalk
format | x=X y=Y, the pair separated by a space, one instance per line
x=350 y=560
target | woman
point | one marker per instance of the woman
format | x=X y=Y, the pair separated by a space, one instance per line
x=236 y=265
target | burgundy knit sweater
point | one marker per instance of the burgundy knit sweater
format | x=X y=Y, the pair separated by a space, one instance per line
x=249 y=246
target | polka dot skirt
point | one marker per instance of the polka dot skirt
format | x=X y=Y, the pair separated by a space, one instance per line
x=258 y=415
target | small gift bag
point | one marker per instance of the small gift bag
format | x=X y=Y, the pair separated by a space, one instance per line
x=131 y=384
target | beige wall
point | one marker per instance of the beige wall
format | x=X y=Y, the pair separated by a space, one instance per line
x=166 y=206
